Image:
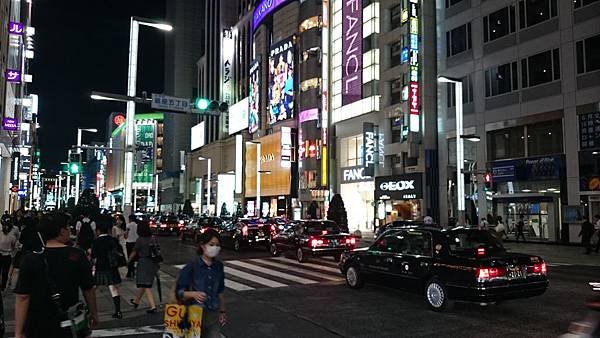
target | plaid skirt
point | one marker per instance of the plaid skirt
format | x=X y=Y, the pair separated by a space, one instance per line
x=108 y=277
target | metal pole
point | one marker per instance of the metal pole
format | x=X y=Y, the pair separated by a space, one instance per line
x=77 y=176
x=134 y=199
x=208 y=186
x=156 y=208
x=258 y=156
x=130 y=116
x=460 y=156
x=59 y=190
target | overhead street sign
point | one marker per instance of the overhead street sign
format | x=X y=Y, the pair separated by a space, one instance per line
x=164 y=102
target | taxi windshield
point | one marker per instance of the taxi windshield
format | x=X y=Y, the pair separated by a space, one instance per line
x=318 y=228
x=468 y=241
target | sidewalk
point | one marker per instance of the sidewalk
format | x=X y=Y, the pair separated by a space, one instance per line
x=104 y=301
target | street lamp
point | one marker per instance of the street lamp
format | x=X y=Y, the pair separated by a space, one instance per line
x=258 y=156
x=460 y=179
x=208 y=181
x=78 y=176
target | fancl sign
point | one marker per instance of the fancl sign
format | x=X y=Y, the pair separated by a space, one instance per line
x=354 y=174
x=352 y=37
x=369 y=148
x=263 y=9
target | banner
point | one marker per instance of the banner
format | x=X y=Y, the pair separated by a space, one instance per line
x=144 y=138
x=369 y=148
x=254 y=98
x=352 y=51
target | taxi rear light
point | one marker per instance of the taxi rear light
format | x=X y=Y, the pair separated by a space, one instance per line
x=538 y=268
x=351 y=240
x=490 y=273
x=152 y=225
x=316 y=242
x=273 y=228
x=324 y=232
x=480 y=251
x=260 y=225
x=245 y=230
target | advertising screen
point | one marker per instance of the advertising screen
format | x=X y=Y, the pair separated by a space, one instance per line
x=197 y=136
x=144 y=135
x=281 y=81
x=254 y=98
x=238 y=116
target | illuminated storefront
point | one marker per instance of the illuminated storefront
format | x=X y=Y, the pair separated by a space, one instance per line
x=399 y=197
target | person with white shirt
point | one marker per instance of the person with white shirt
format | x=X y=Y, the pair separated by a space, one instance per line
x=131 y=237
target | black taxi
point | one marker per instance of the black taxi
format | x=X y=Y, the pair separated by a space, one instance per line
x=459 y=264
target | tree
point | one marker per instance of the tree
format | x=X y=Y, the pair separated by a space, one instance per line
x=88 y=203
x=188 y=209
x=224 y=212
x=337 y=212
x=238 y=211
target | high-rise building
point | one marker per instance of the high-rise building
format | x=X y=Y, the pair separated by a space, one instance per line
x=531 y=94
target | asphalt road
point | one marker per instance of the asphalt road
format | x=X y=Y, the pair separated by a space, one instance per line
x=280 y=298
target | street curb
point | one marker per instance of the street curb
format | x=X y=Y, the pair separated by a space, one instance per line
x=544 y=243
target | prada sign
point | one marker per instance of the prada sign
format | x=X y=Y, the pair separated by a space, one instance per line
x=355 y=174
x=399 y=187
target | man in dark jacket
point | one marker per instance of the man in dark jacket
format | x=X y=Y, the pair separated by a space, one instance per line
x=586 y=233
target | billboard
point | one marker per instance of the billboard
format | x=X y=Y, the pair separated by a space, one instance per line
x=281 y=81
x=254 y=98
x=198 y=138
x=144 y=139
x=352 y=51
x=238 y=116
x=227 y=48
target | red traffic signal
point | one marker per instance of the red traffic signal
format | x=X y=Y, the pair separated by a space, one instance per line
x=487 y=178
x=14 y=188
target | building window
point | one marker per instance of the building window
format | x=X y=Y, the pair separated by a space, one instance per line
x=396 y=91
x=532 y=12
x=458 y=40
x=544 y=138
x=540 y=68
x=467 y=87
x=352 y=148
x=499 y=24
x=395 y=53
x=502 y=79
x=588 y=54
x=450 y=3
x=310 y=23
x=396 y=16
x=506 y=143
x=580 y=3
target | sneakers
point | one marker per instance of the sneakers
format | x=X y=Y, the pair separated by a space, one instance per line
x=118 y=315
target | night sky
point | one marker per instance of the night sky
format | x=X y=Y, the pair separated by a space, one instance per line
x=81 y=46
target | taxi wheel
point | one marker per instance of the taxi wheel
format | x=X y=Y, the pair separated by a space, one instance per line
x=300 y=256
x=237 y=245
x=437 y=296
x=353 y=278
x=273 y=249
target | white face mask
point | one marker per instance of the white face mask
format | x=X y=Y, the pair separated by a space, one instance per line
x=212 y=250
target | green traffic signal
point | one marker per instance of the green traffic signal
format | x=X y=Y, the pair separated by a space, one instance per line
x=74 y=168
x=201 y=103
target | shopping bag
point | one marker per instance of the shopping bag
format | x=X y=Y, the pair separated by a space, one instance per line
x=183 y=321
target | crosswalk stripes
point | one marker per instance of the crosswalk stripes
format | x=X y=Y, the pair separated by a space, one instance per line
x=277 y=272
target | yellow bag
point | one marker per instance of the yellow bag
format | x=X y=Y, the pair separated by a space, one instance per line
x=183 y=321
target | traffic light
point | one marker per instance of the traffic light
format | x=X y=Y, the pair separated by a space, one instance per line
x=204 y=104
x=201 y=103
x=487 y=178
x=74 y=163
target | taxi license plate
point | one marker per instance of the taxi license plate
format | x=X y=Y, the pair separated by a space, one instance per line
x=516 y=272
x=333 y=242
x=261 y=233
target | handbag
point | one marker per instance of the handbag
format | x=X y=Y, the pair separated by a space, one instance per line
x=183 y=320
x=77 y=317
x=116 y=256
x=155 y=254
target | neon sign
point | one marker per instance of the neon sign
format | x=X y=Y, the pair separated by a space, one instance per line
x=414 y=91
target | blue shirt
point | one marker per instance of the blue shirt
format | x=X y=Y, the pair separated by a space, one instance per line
x=209 y=279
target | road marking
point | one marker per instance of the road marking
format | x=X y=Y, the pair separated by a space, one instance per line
x=253 y=278
x=272 y=272
x=131 y=331
x=302 y=271
x=314 y=266
x=237 y=286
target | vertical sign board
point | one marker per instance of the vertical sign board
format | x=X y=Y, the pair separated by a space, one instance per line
x=254 y=97
x=369 y=149
x=325 y=93
x=286 y=147
x=144 y=138
x=352 y=36
x=227 y=48
x=281 y=80
x=414 y=98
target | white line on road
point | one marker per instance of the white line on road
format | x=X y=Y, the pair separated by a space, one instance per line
x=272 y=272
x=314 y=266
x=302 y=271
x=253 y=278
x=130 y=331
x=237 y=286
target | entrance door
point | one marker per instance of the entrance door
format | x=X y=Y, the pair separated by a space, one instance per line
x=594 y=206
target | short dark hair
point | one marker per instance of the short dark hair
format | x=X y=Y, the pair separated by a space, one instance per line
x=104 y=223
x=143 y=229
x=51 y=225
x=206 y=237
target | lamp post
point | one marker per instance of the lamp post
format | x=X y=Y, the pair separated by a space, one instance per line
x=258 y=156
x=66 y=164
x=460 y=178
x=208 y=181
x=78 y=175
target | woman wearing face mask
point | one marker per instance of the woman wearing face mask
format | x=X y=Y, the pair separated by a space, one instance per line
x=8 y=242
x=202 y=282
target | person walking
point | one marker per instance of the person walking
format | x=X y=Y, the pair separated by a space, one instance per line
x=85 y=230
x=597 y=232
x=104 y=251
x=8 y=244
x=119 y=230
x=146 y=268
x=501 y=228
x=520 y=226
x=586 y=233
x=37 y=314
x=131 y=236
x=483 y=224
x=202 y=282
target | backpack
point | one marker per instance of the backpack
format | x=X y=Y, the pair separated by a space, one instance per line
x=86 y=235
x=155 y=254
x=116 y=256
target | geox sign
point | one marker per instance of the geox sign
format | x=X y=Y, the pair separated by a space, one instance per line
x=399 y=187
